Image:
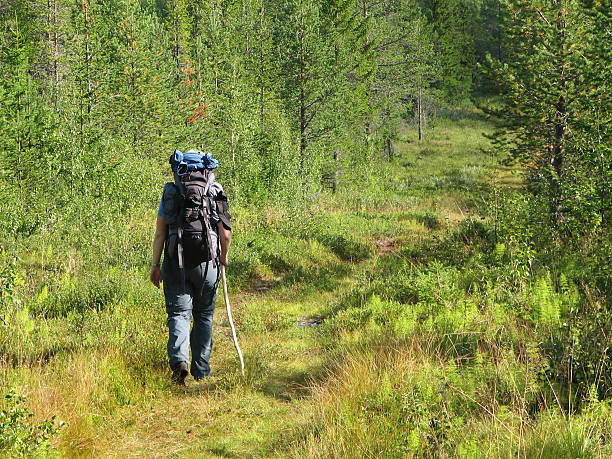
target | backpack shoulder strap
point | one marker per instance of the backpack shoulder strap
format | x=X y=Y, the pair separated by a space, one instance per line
x=210 y=179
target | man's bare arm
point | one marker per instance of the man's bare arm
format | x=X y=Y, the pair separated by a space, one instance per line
x=225 y=240
x=158 y=246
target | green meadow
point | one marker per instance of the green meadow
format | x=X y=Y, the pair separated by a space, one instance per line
x=421 y=201
x=399 y=321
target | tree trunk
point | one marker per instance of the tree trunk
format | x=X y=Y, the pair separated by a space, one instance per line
x=302 y=103
x=52 y=48
x=262 y=67
x=420 y=112
x=335 y=175
x=557 y=157
x=19 y=143
x=368 y=127
x=177 y=39
x=55 y=54
x=87 y=56
x=234 y=168
x=196 y=33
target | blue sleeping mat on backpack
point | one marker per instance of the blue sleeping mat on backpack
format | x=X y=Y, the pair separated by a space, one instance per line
x=191 y=161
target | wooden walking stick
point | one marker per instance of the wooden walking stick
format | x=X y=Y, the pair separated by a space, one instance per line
x=229 y=317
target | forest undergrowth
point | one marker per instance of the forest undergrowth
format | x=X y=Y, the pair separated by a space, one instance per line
x=418 y=317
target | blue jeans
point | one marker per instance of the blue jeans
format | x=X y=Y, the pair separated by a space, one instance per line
x=197 y=297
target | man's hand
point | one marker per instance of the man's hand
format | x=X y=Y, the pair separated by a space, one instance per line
x=156 y=276
x=223 y=259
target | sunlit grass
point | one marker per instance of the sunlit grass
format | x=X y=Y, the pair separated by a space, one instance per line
x=372 y=325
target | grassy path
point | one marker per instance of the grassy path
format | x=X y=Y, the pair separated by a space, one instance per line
x=261 y=415
x=384 y=323
x=106 y=374
x=226 y=416
x=272 y=409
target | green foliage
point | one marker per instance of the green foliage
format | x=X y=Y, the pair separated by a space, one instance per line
x=289 y=95
x=19 y=436
x=547 y=305
x=491 y=314
x=552 y=116
x=28 y=132
x=453 y=21
x=417 y=415
x=9 y=280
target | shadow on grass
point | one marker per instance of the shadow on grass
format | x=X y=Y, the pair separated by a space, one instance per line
x=260 y=285
x=287 y=385
x=430 y=220
x=197 y=388
x=222 y=451
x=456 y=114
x=323 y=279
x=38 y=358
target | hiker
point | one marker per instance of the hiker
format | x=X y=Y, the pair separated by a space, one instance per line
x=193 y=225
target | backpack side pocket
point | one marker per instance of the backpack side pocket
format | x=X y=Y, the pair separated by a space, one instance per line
x=170 y=204
x=171 y=244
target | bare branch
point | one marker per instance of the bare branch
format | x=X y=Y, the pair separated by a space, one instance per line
x=542 y=16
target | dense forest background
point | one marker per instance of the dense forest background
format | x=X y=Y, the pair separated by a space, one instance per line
x=309 y=106
x=293 y=96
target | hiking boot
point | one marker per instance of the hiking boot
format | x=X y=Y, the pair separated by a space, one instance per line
x=179 y=373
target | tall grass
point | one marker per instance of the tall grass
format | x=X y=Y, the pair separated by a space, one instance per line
x=443 y=330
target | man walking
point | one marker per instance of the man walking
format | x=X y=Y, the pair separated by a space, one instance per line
x=194 y=227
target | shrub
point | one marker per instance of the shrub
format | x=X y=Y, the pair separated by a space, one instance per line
x=18 y=434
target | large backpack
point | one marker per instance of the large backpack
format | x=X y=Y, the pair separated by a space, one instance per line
x=187 y=208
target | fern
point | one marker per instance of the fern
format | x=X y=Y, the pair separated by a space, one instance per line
x=570 y=295
x=564 y=284
x=499 y=252
x=547 y=302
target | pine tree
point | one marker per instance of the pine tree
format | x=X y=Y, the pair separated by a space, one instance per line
x=340 y=122
x=142 y=100
x=489 y=39
x=593 y=189
x=306 y=61
x=454 y=28
x=422 y=64
x=547 y=95
x=406 y=66
x=27 y=139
